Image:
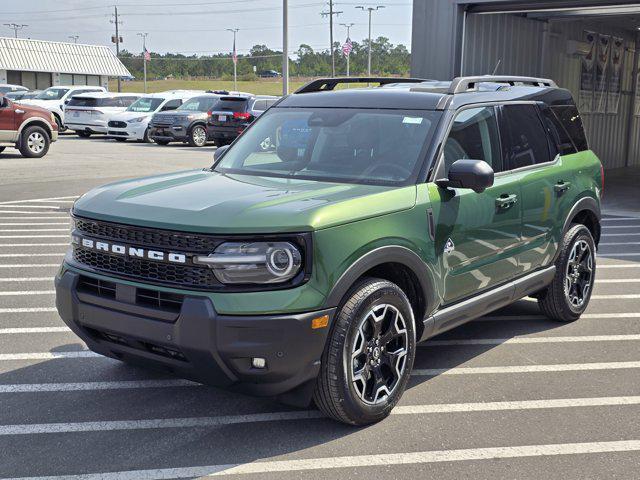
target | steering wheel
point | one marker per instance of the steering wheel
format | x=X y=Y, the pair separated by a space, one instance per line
x=404 y=172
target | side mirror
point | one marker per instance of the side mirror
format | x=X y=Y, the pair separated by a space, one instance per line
x=476 y=175
x=219 y=152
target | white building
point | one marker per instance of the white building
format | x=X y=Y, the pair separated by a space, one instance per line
x=39 y=64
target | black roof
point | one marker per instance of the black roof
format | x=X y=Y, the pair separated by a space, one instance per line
x=428 y=95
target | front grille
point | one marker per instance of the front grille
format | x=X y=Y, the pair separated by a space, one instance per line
x=157 y=272
x=117 y=133
x=163 y=121
x=196 y=243
x=117 y=124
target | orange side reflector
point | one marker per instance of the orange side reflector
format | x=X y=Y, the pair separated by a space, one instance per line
x=320 y=322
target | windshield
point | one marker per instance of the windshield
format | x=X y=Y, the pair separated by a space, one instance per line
x=334 y=144
x=52 y=94
x=198 y=104
x=145 y=105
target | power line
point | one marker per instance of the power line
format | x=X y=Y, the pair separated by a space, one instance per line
x=330 y=14
x=15 y=27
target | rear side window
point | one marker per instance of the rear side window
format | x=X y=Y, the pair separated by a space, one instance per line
x=570 y=119
x=525 y=139
x=83 y=102
x=172 y=104
x=231 y=104
x=562 y=143
x=473 y=135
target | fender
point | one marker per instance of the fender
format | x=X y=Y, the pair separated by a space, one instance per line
x=378 y=256
x=40 y=120
x=585 y=203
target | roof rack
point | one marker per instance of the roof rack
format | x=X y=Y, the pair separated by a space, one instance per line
x=464 y=84
x=326 y=84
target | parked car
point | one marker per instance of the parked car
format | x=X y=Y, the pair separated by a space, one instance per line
x=89 y=113
x=187 y=124
x=20 y=95
x=232 y=114
x=269 y=74
x=8 y=87
x=376 y=218
x=27 y=128
x=133 y=123
x=55 y=98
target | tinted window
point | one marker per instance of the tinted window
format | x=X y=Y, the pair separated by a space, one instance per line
x=126 y=101
x=562 y=143
x=231 y=104
x=333 y=144
x=145 y=105
x=83 y=102
x=52 y=94
x=260 y=105
x=525 y=138
x=172 y=104
x=198 y=104
x=571 y=121
x=473 y=135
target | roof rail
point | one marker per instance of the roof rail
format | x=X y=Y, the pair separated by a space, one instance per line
x=326 y=84
x=464 y=84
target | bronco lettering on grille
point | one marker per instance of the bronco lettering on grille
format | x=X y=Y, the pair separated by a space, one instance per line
x=130 y=251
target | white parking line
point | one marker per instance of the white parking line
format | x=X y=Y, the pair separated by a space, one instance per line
x=612 y=254
x=70 y=197
x=614 y=243
x=34 y=236
x=27 y=292
x=28 y=310
x=615 y=297
x=25 y=279
x=29 y=330
x=524 y=340
x=204 y=422
x=359 y=461
x=610 y=227
x=28 y=214
x=89 y=386
x=22 y=230
x=49 y=355
x=621 y=219
x=625 y=265
x=563 y=367
x=491 y=318
x=41 y=223
x=606 y=235
x=5 y=205
x=29 y=217
x=22 y=255
x=30 y=265
x=617 y=280
x=34 y=244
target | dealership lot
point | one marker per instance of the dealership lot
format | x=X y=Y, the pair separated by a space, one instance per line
x=511 y=395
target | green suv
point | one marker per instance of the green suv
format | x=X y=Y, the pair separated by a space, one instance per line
x=339 y=230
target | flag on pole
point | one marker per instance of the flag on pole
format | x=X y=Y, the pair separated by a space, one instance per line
x=235 y=53
x=347 y=47
x=147 y=55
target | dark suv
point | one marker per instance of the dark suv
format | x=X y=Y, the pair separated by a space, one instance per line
x=341 y=229
x=232 y=114
x=187 y=124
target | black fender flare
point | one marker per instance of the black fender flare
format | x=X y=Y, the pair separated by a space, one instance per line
x=196 y=123
x=378 y=256
x=585 y=203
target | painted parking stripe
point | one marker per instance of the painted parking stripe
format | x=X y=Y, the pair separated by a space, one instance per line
x=606 y=235
x=91 y=386
x=618 y=243
x=612 y=254
x=563 y=367
x=527 y=340
x=44 y=207
x=215 y=421
x=26 y=292
x=25 y=279
x=625 y=265
x=28 y=310
x=34 y=236
x=34 y=223
x=30 y=217
x=360 y=461
x=30 y=265
x=23 y=230
x=620 y=219
x=491 y=318
x=30 y=255
x=30 y=330
x=611 y=227
x=70 y=197
x=617 y=280
x=7 y=245
x=615 y=297
x=49 y=355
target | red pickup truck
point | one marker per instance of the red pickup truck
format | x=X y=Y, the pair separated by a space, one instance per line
x=29 y=129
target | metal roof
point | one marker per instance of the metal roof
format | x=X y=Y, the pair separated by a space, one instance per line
x=41 y=56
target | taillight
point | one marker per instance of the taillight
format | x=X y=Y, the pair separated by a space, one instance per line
x=209 y=113
x=242 y=115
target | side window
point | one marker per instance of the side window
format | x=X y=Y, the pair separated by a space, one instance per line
x=526 y=141
x=562 y=143
x=570 y=119
x=126 y=101
x=172 y=104
x=473 y=135
x=260 y=105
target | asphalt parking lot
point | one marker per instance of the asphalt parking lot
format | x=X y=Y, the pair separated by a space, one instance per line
x=511 y=395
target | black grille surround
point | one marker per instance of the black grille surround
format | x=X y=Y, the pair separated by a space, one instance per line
x=117 y=124
x=188 y=275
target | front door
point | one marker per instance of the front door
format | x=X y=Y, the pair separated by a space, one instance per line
x=477 y=234
x=7 y=121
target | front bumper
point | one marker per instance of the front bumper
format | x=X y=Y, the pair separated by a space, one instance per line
x=194 y=341
x=175 y=133
x=85 y=127
x=134 y=131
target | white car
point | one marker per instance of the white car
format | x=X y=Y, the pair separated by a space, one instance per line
x=55 y=98
x=133 y=123
x=89 y=113
x=8 y=87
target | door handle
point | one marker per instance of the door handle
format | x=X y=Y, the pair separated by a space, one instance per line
x=506 y=201
x=561 y=187
x=18 y=111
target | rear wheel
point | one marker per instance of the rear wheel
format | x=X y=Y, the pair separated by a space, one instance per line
x=34 y=142
x=198 y=136
x=84 y=134
x=369 y=354
x=567 y=297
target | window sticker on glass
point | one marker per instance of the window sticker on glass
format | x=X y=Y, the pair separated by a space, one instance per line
x=412 y=120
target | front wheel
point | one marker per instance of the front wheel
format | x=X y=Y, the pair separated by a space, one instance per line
x=198 y=136
x=34 y=142
x=567 y=297
x=369 y=354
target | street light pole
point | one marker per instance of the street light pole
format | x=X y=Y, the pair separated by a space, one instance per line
x=235 y=58
x=285 y=47
x=330 y=14
x=15 y=27
x=74 y=38
x=370 y=10
x=348 y=27
x=144 y=58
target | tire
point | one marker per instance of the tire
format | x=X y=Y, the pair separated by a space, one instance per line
x=2 y=149
x=145 y=137
x=198 y=136
x=162 y=142
x=567 y=297
x=84 y=134
x=34 y=142
x=338 y=392
x=61 y=127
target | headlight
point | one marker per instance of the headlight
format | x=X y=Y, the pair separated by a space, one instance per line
x=136 y=120
x=256 y=262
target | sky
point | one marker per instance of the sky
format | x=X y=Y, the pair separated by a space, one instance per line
x=199 y=26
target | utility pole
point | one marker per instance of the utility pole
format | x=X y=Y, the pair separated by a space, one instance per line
x=15 y=27
x=370 y=10
x=330 y=14
x=285 y=47
x=144 y=58
x=235 y=58
x=348 y=54
x=74 y=38
x=116 y=39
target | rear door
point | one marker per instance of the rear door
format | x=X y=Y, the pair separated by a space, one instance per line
x=477 y=234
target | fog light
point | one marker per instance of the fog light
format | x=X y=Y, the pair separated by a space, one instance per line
x=258 y=362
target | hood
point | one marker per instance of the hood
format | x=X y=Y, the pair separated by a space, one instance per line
x=211 y=202
x=124 y=116
x=35 y=108
x=41 y=103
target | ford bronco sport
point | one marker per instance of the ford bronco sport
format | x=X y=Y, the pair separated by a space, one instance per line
x=340 y=229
